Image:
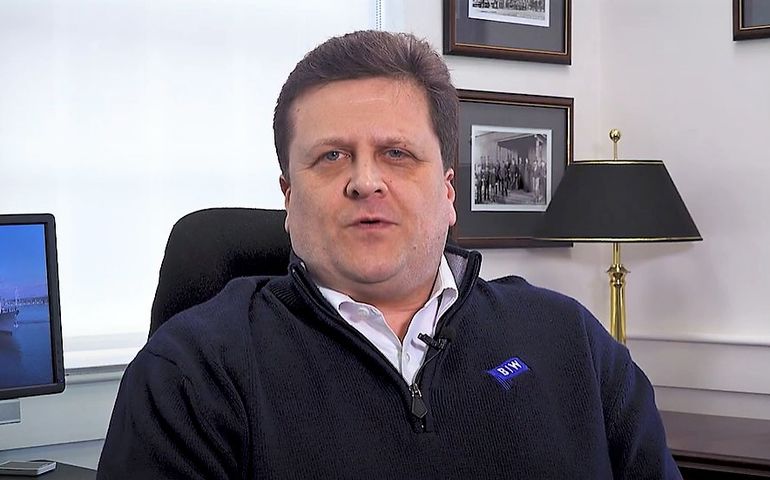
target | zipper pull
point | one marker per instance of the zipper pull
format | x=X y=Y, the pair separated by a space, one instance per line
x=418 y=406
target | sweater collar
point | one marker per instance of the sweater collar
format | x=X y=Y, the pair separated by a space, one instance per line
x=464 y=265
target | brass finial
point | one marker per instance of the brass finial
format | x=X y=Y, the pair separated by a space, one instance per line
x=615 y=137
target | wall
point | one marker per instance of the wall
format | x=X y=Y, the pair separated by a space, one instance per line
x=576 y=267
x=68 y=427
x=683 y=91
x=120 y=117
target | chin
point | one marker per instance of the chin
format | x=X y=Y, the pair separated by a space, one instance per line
x=366 y=273
x=374 y=275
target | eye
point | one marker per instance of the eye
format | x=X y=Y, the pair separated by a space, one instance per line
x=332 y=156
x=396 y=153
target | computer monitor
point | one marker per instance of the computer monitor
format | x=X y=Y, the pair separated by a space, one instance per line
x=31 y=358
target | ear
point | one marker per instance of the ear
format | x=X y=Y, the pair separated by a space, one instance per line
x=285 y=186
x=449 y=176
x=286 y=189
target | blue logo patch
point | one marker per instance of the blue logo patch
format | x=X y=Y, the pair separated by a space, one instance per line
x=507 y=371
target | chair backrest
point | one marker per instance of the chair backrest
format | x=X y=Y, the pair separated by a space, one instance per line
x=208 y=248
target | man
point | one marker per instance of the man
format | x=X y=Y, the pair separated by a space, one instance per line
x=381 y=354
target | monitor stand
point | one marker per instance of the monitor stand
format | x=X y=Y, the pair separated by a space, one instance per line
x=10 y=411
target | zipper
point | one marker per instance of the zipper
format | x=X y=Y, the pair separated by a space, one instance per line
x=307 y=287
x=417 y=405
x=419 y=410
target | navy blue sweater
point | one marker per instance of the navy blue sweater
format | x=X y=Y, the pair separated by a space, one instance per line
x=267 y=381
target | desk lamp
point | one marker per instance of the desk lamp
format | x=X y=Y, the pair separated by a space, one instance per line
x=617 y=201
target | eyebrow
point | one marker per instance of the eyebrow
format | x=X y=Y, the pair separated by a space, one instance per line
x=328 y=141
x=384 y=140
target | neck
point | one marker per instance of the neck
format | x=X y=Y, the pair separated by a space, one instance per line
x=398 y=319
x=398 y=308
x=396 y=305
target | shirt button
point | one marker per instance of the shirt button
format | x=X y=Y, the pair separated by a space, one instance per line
x=407 y=357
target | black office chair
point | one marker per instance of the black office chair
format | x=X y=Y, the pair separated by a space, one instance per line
x=208 y=248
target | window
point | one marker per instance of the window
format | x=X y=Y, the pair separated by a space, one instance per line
x=119 y=117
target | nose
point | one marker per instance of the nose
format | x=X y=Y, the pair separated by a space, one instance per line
x=365 y=178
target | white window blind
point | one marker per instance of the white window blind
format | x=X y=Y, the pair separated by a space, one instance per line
x=121 y=116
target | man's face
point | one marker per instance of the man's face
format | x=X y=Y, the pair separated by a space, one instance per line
x=368 y=201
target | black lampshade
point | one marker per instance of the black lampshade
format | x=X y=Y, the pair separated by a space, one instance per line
x=617 y=201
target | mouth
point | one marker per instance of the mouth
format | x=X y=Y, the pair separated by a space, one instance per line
x=372 y=223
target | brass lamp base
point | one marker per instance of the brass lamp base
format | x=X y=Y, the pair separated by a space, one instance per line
x=617 y=273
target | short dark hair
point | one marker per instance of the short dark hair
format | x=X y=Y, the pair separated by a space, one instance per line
x=366 y=54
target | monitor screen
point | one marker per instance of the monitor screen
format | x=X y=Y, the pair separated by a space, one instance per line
x=31 y=361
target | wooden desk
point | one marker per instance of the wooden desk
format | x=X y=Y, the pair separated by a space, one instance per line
x=709 y=447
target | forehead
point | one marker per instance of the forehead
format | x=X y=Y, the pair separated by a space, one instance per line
x=351 y=88
x=348 y=103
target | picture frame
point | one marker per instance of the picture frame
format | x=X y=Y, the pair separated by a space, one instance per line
x=536 y=31
x=751 y=19
x=512 y=152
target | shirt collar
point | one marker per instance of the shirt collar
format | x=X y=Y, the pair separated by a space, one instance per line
x=445 y=283
x=445 y=286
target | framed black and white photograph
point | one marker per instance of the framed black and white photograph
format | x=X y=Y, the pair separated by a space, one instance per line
x=751 y=19
x=530 y=30
x=523 y=13
x=512 y=169
x=512 y=153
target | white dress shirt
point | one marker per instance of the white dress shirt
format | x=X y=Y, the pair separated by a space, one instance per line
x=406 y=357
